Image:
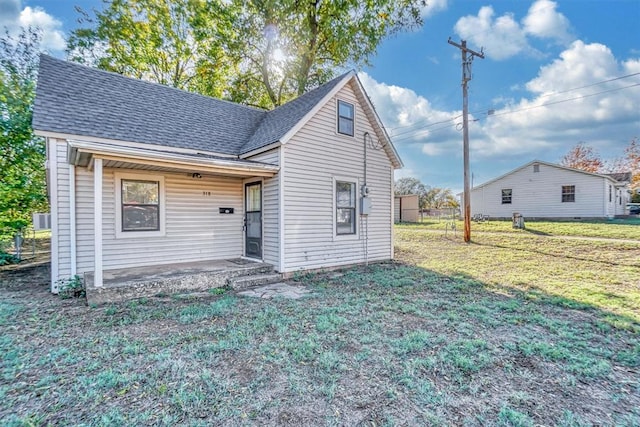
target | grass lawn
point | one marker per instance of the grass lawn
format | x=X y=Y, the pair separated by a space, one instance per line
x=515 y=329
x=613 y=229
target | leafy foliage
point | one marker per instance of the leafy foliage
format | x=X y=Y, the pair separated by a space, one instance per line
x=429 y=197
x=583 y=157
x=22 y=175
x=173 y=43
x=260 y=52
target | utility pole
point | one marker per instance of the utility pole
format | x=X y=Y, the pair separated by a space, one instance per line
x=466 y=77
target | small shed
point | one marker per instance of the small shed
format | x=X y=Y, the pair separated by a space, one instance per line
x=406 y=208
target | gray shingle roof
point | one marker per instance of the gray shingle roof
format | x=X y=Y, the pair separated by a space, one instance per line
x=79 y=100
x=279 y=121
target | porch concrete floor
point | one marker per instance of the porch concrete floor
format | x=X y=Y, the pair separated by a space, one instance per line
x=173 y=270
x=138 y=282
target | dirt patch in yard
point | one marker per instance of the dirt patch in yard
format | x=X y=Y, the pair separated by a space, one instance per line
x=390 y=345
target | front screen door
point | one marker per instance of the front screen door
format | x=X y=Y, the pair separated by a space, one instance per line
x=253 y=220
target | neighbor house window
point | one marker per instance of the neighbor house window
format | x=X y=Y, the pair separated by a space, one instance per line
x=345 y=118
x=568 y=193
x=610 y=190
x=140 y=205
x=536 y=168
x=506 y=196
x=345 y=207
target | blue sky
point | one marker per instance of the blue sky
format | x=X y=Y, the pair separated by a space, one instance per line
x=548 y=76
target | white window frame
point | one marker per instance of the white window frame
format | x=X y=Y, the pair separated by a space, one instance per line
x=355 y=235
x=119 y=177
x=563 y=194
x=510 y=196
x=338 y=101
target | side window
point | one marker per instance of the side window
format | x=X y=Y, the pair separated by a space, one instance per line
x=346 y=114
x=506 y=196
x=345 y=207
x=568 y=193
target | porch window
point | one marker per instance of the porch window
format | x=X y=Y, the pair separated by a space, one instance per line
x=345 y=207
x=506 y=196
x=139 y=205
x=568 y=193
x=345 y=118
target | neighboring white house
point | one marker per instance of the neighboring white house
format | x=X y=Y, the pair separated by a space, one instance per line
x=142 y=174
x=546 y=190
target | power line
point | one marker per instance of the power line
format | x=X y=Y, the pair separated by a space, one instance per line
x=564 y=100
x=483 y=111
x=414 y=132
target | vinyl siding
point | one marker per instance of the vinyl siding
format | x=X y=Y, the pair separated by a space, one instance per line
x=314 y=157
x=60 y=185
x=195 y=230
x=270 y=210
x=539 y=194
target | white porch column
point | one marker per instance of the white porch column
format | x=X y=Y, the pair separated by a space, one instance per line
x=97 y=222
x=72 y=218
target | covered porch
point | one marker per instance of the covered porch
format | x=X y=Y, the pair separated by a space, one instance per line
x=194 y=221
x=175 y=278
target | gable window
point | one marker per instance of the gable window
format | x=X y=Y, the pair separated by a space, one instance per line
x=140 y=206
x=506 y=196
x=345 y=118
x=536 y=168
x=345 y=207
x=568 y=193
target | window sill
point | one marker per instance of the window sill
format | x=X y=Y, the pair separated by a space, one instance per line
x=139 y=234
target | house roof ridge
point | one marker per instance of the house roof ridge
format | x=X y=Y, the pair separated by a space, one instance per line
x=151 y=83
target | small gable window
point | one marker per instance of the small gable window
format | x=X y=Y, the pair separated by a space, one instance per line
x=506 y=196
x=345 y=118
x=536 y=168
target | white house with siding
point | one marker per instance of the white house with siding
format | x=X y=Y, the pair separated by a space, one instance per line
x=141 y=174
x=546 y=190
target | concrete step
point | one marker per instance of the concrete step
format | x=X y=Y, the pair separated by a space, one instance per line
x=240 y=283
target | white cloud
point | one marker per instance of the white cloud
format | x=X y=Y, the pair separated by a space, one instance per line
x=433 y=7
x=409 y=118
x=538 y=126
x=545 y=22
x=566 y=107
x=14 y=17
x=503 y=37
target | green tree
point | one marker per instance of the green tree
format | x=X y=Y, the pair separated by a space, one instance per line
x=428 y=197
x=22 y=171
x=259 y=52
x=175 y=43
x=290 y=46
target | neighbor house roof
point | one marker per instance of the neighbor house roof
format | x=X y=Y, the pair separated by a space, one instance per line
x=606 y=176
x=620 y=176
x=74 y=101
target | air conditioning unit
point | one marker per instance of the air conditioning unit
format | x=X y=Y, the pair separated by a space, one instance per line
x=41 y=221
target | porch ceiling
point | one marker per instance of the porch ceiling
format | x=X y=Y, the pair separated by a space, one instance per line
x=82 y=153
